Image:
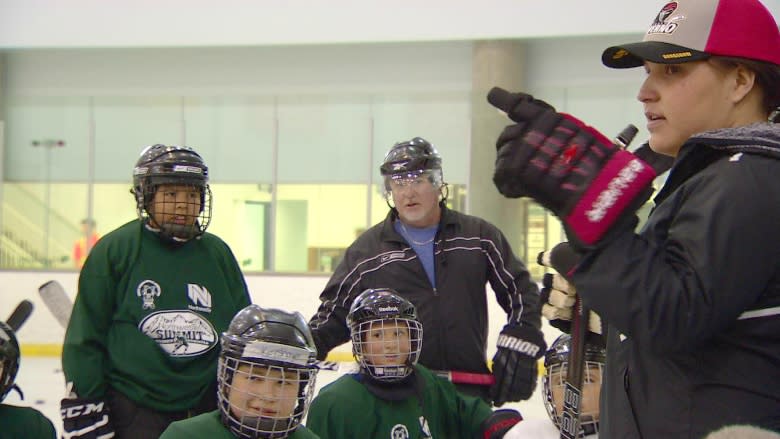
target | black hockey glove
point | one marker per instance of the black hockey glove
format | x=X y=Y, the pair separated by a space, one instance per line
x=514 y=366
x=85 y=419
x=498 y=424
x=591 y=184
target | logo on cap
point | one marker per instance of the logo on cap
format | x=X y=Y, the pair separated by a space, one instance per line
x=660 y=25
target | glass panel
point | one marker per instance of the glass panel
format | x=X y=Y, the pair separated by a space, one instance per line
x=442 y=119
x=46 y=139
x=315 y=223
x=46 y=150
x=324 y=139
x=41 y=224
x=125 y=125
x=234 y=135
x=241 y=217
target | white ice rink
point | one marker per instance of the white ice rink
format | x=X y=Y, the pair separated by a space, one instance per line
x=42 y=382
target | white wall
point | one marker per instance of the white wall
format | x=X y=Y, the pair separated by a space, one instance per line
x=179 y=23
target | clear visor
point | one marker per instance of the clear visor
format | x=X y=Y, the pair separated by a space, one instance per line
x=413 y=179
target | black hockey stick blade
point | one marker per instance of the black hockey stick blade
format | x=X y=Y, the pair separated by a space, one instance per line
x=20 y=315
x=572 y=391
x=57 y=300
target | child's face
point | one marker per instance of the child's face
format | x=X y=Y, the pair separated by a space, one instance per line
x=176 y=204
x=591 y=388
x=270 y=392
x=387 y=343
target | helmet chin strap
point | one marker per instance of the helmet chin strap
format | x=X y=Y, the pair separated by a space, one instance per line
x=175 y=234
x=178 y=232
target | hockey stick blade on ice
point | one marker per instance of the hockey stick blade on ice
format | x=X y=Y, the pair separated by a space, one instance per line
x=57 y=300
x=20 y=315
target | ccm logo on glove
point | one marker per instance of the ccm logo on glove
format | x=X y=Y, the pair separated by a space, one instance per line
x=82 y=410
x=517 y=345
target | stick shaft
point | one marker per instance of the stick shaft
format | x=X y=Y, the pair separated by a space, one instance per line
x=572 y=392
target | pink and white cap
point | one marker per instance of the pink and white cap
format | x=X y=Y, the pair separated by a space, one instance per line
x=691 y=30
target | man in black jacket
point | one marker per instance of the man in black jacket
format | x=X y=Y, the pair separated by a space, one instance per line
x=440 y=260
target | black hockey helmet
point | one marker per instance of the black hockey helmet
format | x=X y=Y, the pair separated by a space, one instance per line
x=176 y=165
x=374 y=309
x=9 y=358
x=556 y=361
x=260 y=342
x=409 y=160
x=410 y=156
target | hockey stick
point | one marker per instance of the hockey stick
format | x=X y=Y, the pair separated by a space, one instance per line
x=59 y=304
x=572 y=390
x=20 y=315
x=456 y=377
x=57 y=301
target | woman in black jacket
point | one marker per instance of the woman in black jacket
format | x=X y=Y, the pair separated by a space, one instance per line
x=692 y=302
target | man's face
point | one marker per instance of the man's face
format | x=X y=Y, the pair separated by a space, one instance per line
x=270 y=392
x=417 y=199
x=387 y=342
x=175 y=205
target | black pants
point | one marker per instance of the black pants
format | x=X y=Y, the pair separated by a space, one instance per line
x=133 y=421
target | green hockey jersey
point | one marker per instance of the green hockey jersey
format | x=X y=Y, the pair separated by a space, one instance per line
x=209 y=426
x=346 y=409
x=148 y=317
x=24 y=423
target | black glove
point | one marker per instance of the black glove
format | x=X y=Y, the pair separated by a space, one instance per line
x=85 y=419
x=576 y=172
x=498 y=424
x=514 y=365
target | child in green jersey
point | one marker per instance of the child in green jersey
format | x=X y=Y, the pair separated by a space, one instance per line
x=17 y=422
x=392 y=396
x=141 y=347
x=266 y=376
